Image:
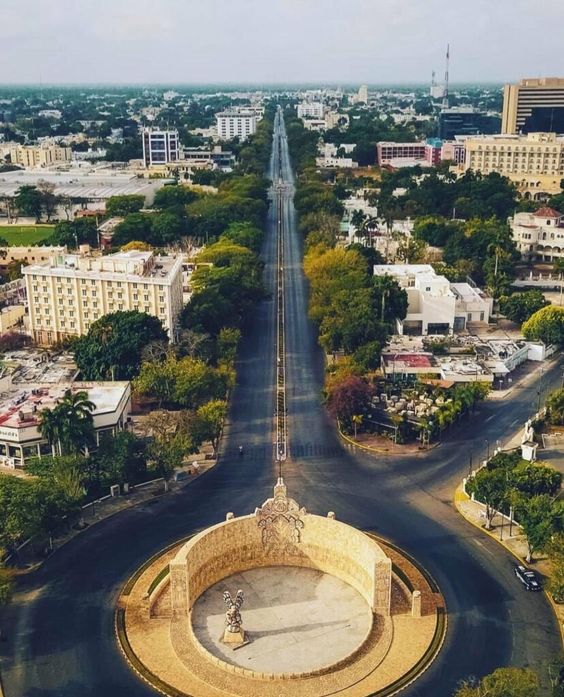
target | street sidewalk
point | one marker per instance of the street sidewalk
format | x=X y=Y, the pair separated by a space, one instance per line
x=30 y=557
x=515 y=543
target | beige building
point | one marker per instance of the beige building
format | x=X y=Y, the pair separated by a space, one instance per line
x=31 y=156
x=10 y=317
x=531 y=103
x=27 y=255
x=534 y=162
x=74 y=290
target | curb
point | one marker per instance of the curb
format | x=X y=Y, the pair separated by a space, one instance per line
x=458 y=496
x=381 y=451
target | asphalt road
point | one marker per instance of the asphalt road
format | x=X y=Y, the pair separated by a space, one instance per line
x=60 y=629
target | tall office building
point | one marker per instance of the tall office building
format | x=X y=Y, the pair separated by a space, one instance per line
x=236 y=123
x=466 y=121
x=534 y=105
x=160 y=147
x=363 y=94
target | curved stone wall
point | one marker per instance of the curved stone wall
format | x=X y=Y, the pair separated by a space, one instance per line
x=280 y=534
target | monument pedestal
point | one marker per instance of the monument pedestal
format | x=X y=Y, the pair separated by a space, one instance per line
x=235 y=639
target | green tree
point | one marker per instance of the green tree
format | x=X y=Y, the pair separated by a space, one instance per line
x=29 y=201
x=540 y=517
x=491 y=488
x=114 y=345
x=555 y=550
x=244 y=235
x=227 y=344
x=68 y=427
x=555 y=407
x=210 y=418
x=503 y=682
x=74 y=233
x=520 y=306
x=136 y=226
x=534 y=479
x=120 y=459
x=124 y=205
x=172 y=438
x=546 y=325
x=174 y=196
x=6 y=581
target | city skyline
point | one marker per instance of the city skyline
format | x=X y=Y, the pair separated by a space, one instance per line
x=290 y=42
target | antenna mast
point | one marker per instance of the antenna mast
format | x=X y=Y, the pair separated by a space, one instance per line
x=445 y=97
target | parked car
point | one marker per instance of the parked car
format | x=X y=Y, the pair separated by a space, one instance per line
x=528 y=578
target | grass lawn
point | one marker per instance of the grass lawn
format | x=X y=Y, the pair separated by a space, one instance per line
x=25 y=234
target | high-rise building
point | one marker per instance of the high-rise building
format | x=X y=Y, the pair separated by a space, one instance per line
x=236 y=123
x=160 y=147
x=71 y=292
x=363 y=94
x=466 y=121
x=534 y=105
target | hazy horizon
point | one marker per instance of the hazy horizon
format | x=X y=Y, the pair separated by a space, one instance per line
x=286 y=42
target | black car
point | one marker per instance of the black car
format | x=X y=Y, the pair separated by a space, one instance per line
x=528 y=578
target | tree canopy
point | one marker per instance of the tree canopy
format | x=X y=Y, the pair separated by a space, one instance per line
x=546 y=325
x=114 y=344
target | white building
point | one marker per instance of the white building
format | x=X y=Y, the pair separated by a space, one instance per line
x=20 y=416
x=312 y=110
x=160 y=147
x=435 y=306
x=74 y=290
x=236 y=123
x=363 y=94
x=539 y=235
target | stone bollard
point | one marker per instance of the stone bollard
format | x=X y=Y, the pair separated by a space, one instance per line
x=230 y=516
x=416 y=604
x=331 y=515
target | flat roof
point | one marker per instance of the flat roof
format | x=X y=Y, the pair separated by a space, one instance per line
x=21 y=408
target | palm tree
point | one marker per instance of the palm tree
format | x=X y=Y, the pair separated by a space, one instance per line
x=69 y=425
x=77 y=421
x=357 y=420
x=50 y=429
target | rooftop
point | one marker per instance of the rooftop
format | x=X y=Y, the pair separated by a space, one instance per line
x=21 y=408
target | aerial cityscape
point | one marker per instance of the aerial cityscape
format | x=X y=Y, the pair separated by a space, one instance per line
x=281 y=332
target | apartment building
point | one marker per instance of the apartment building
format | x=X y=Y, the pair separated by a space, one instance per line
x=436 y=306
x=160 y=147
x=535 y=162
x=534 y=105
x=74 y=290
x=539 y=235
x=33 y=156
x=236 y=123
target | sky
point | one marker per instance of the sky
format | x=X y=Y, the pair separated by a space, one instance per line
x=278 y=41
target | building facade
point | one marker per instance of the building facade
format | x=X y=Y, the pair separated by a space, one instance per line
x=160 y=147
x=534 y=105
x=466 y=121
x=70 y=293
x=534 y=162
x=311 y=110
x=20 y=416
x=27 y=255
x=33 y=156
x=539 y=235
x=236 y=123
x=435 y=306
x=424 y=153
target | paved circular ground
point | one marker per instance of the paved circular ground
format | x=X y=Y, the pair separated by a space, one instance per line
x=297 y=619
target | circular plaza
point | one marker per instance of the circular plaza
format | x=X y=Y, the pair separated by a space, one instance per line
x=280 y=602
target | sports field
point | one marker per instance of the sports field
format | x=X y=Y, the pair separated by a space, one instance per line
x=25 y=234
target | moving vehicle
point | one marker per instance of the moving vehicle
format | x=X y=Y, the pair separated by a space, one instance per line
x=527 y=577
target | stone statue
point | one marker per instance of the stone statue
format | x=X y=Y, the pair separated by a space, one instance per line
x=528 y=433
x=233 y=616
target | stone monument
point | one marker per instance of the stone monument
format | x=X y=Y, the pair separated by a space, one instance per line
x=234 y=632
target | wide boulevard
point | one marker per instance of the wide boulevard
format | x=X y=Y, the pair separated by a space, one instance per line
x=61 y=639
